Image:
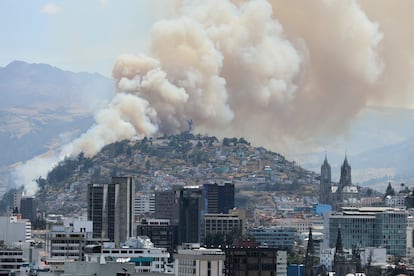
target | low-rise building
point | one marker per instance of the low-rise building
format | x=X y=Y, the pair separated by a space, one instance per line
x=139 y=251
x=161 y=233
x=14 y=229
x=275 y=237
x=255 y=261
x=193 y=260
x=11 y=260
x=222 y=224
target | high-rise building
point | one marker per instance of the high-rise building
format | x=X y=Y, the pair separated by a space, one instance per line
x=218 y=198
x=28 y=208
x=167 y=204
x=111 y=208
x=17 y=198
x=191 y=215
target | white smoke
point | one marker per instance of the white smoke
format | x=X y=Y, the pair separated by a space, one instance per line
x=274 y=72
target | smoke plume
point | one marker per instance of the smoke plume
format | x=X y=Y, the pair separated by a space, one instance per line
x=279 y=73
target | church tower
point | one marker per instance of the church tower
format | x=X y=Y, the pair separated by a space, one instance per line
x=309 y=257
x=325 y=183
x=344 y=263
x=345 y=179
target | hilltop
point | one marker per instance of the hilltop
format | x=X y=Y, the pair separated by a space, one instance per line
x=184 y=159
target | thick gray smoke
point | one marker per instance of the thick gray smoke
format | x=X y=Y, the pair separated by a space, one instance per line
x=279 y=73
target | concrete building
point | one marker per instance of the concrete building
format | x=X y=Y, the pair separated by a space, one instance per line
x=396 y=201
x=101 y=269
x=370 y=227
x=17 y=198
x=14 y=229
x=68 y=243
x=161 y=233
x=275 y=237
x=167 y=204
x=410 y=237
x=139 y=251
x=222 y=224
x=193 y=260
x=255 y=261
x=11 y=260
x=111 y=208
x=183 y=206
x=144 y=203
x=301 y=225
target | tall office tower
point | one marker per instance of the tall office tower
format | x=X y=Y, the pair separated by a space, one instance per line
x=184 y=207
x=218 y=199
x=325 y=183
x=28 y=208
x=111 y=208
x=167 y=204
x=191 y=218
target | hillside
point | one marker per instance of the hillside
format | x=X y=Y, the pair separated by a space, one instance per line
x=183 y=159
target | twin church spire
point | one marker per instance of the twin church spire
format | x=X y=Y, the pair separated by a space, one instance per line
x=331 y=193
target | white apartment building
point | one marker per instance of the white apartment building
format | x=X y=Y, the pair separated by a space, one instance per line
x=13 y=230
x=301 y=225
x=193 y=260
x=144 y=203
x=139 y=251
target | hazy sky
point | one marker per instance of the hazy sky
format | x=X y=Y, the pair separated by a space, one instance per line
x=76 y=35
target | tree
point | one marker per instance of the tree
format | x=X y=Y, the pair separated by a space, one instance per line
x=243 y=141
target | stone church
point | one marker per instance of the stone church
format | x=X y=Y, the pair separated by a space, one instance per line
x=339 y=194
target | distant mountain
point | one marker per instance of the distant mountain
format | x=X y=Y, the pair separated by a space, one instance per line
x=24 y=85
x=379 y=145
x=43 y=106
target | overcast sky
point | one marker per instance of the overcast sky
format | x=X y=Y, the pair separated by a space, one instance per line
x=76 y=35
